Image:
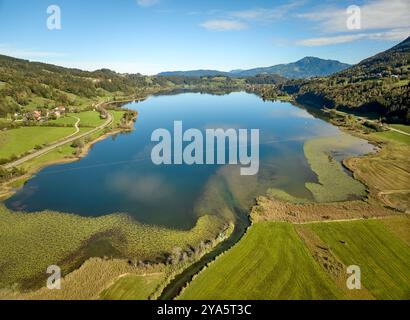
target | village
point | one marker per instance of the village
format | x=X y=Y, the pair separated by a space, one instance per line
x=42 y=115
x=45 y=114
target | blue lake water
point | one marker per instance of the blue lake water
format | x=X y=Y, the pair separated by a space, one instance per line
x=119 y=176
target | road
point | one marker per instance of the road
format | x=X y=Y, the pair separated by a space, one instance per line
x=384 y=126
x=364 y=119
x=399 y=131
x=60 y=143
x=77 y=128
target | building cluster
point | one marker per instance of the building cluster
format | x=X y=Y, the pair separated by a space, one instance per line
x=44 y=115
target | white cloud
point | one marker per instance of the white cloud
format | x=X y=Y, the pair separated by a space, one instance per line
x=392 y=35
x=147 y=3
x=224 y=25
x=377 y=14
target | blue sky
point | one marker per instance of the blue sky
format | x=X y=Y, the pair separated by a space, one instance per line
x=149 y=36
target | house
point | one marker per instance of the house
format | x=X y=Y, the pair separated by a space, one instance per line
x=37 y=115
x=60 y=109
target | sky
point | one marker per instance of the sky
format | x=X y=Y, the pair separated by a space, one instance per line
x=150 y=36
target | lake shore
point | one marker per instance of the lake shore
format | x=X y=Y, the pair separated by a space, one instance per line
x=179 y=280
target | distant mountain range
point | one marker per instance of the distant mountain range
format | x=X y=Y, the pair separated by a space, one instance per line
x=305 y=68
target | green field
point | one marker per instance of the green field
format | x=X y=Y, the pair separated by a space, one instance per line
x=117 y=116
x=401 y=127
x=87 y=119
x=56 y=155
x=18 y=141
x=393 y=136
x=133 y=287
x=270 y=262
x=273 y=262
x=383 y=257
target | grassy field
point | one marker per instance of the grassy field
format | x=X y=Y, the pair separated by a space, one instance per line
x=382 y=256
x=18 y=141
x=401 y=127
x=386 y=174
x=87 y=119
x=117 y=116
x=393 y=136
x=133 y=287
x=93 y=277
x=274 y=262
x=270 y=262
x=267 y=209
x=59 y=154
x=31 y=242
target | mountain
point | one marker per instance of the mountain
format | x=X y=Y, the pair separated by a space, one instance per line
x=378 y=85
x=305 y=68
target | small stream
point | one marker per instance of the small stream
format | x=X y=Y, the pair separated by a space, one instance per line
x=180 y=281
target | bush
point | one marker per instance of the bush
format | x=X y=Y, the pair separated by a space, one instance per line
x=79 y=143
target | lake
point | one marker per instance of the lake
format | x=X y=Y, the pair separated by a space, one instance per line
x=118 y=175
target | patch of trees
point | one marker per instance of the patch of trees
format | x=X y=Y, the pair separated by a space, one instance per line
x=266 y=79
x=7 y=174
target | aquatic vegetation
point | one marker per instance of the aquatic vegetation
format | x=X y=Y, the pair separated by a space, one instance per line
x=334 y=183
x=53 y=238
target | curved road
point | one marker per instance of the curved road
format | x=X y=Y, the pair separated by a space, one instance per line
x=66 y=140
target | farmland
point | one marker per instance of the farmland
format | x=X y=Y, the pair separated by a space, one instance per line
x=386 y=174
x=18 y=141
x=381 y=254
x=87 y=119
x=274 y=262
x=265 y=265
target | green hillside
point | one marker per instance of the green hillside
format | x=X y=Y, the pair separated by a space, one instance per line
x=378 y=85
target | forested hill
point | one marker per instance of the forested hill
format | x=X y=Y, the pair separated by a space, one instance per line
x=26 y=85
x=390 y=62
x=379 y=84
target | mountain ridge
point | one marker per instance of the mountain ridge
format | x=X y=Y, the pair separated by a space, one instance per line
x=306 y=67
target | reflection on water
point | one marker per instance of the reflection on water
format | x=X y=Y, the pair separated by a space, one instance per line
x=118 y=175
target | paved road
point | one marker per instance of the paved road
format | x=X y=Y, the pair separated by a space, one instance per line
x=58 y=144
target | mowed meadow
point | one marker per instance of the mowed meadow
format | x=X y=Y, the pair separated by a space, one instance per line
x=279 y=260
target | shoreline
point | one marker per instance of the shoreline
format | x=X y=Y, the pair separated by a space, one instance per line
x=7 y=189
x=188 y=273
